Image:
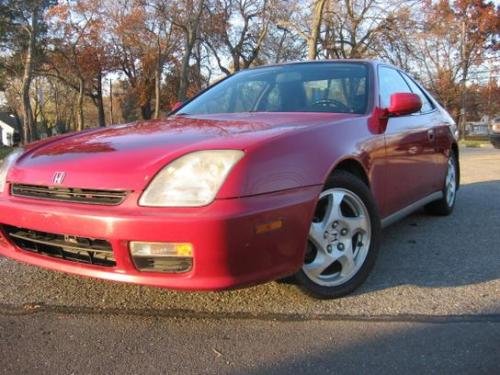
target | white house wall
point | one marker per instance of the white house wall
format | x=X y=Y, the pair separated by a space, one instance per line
x=7 y=134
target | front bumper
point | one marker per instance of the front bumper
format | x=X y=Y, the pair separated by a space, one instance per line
x=228 y=252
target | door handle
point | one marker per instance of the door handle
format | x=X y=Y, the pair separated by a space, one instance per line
x=431 y=135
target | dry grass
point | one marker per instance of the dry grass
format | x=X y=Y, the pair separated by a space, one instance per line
x=474 y=143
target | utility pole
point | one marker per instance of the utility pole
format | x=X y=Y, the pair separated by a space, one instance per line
x=464 y=80
x=490 y=84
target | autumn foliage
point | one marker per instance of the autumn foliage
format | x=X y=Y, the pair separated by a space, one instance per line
x=69 y=65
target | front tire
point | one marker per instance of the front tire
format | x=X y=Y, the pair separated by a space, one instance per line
x=343 y=239
x=445 y=205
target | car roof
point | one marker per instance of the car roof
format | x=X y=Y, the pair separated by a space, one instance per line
x=329 y=61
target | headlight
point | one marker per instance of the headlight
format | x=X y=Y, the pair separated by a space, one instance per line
x=193 y=180
x=5 y=166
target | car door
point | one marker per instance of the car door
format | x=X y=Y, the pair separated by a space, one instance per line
x=440 y=131
x=410 y=148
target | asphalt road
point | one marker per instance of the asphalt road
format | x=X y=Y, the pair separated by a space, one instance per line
x=432 y=304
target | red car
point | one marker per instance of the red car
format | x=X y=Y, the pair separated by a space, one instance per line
x=275 y=171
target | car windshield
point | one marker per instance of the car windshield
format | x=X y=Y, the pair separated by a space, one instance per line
x=316 y=87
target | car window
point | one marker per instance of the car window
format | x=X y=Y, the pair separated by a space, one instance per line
x=217 y=104
x=247 y=95
x=427 y=106
x=390 y=82
x=321 y=87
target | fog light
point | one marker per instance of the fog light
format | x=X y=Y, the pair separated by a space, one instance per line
x=162 y=256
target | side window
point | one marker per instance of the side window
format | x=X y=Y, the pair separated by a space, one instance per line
x=390 y=82
x=426 y=104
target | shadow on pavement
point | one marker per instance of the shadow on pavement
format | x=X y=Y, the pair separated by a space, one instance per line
x=394 y=349
x=430 y=251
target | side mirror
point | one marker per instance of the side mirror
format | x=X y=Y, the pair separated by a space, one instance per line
x=176 y=106
x=404 y=103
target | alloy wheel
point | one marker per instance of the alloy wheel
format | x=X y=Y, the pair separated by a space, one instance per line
x=339 y=238
x=451 y=183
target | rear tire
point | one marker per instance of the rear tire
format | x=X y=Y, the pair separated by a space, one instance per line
x=444 y=206
x=343 y=240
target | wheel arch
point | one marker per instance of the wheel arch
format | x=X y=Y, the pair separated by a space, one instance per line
x=352 y=166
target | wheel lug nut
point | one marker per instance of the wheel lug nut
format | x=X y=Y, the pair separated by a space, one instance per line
x=343 y=232
x=340 y=247
x=335 y=224
x=329 y=248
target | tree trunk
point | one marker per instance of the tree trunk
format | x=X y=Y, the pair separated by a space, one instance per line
x=27 y=77
x=81 y=88
x=188 y=47
x=158 y=81
x=191 y=34
x=236 y=62
x=111 y=115
x=157 y=89
x=100 y=102
x=157 y=93
x=312 y=40
x=146 y=111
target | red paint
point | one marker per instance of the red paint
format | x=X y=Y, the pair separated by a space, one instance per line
x=403 y=103
x=288 y=157
x=226 y=250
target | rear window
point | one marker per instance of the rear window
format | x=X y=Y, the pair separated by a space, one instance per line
x=324 y=87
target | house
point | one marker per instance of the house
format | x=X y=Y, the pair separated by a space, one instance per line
x=477 y=128
x=9 y=129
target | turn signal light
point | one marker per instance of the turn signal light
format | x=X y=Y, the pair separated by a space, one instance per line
x=161 y=249
x=169 y=257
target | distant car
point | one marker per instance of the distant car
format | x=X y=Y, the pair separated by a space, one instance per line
x=275 y=171
x=495 y=132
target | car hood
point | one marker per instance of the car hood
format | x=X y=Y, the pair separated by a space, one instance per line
x=128 y=156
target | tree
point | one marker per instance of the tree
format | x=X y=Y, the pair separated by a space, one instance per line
x=314 y=34
x=187 y=18
x=454 y=37
x=143 y=39
x=303 y=20
x=55 y=57
x=239 y=29
x=81 y=52
x=354 y=28
x=23 y=27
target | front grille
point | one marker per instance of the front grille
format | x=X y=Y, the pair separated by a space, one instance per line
x=71 y=248
x=87 y=196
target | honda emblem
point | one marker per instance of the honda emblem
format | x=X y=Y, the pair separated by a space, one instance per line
x=58 y=178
